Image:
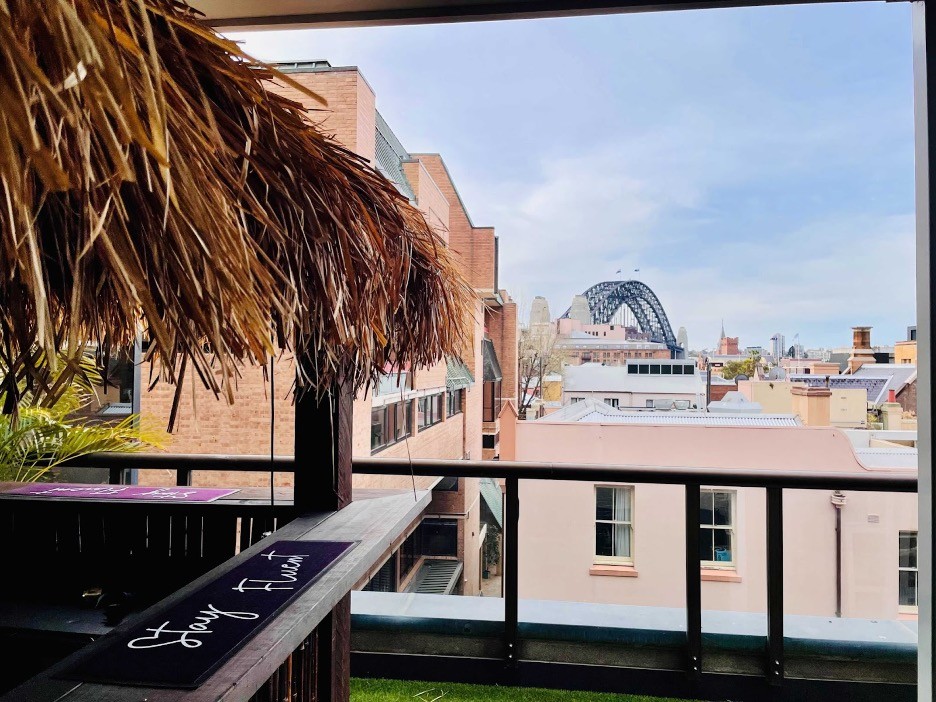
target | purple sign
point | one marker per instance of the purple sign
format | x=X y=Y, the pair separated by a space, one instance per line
x=121 y=492
x=180 y=645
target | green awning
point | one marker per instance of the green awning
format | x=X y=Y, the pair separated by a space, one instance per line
x=457 y=375
x=494 y=499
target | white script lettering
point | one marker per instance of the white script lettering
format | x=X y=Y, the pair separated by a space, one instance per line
x=188 y=637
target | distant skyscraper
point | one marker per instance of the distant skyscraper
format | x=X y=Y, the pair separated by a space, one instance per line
x=777 y=346
x=682 y=338
x=539 y=311
x=580 y=309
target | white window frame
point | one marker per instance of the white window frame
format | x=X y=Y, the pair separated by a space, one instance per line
x=908 y=609
x=731 y=528
x=617 y=560
x=613 y=401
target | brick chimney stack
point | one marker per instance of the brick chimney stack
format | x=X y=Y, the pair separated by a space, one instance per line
x=861 y=349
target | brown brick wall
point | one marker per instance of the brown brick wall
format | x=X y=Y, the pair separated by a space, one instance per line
x=908 y=397
x=429 y=198
x=719 y=391
x=349 y=115
x=501 y=325
x=473 y=246
x=206 y=424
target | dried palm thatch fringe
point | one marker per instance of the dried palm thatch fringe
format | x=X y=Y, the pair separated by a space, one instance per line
x=148 y=179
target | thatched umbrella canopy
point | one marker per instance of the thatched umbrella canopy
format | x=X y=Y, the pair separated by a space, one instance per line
x=148 y=177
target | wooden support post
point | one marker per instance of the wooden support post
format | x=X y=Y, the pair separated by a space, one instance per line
x=323 y=450
x=333 y=655
x=322 y=483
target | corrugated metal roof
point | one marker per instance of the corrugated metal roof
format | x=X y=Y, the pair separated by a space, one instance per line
x=906 y=458
x=690 y=418
x=493 y=498
x=457 y=375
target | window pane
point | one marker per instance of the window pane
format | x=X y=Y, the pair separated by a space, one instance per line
x=440 y=537
x=622 y=540
x=908 y=588
x=604 y=539
x=666 y=370
x=722 y=504
x=377 y=435
x=908 y=549
x=622 y=504
x=706 y=507
x=604 y=503
x=706 y=546
x=400 y=421
x=388 y=425
x=721 y=539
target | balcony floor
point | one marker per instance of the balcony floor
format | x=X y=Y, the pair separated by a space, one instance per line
x=363 y=690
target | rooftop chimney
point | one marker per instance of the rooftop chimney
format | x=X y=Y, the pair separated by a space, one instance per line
x=812 y=404
x=861 y=349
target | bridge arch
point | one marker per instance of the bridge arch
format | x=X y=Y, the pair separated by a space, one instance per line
x=605 y=299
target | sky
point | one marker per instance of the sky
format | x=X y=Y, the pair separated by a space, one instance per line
x=755 y=165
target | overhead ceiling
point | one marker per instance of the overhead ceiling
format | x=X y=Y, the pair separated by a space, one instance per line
x=293 y=14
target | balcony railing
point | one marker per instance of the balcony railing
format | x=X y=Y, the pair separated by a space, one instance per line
x=693 y=673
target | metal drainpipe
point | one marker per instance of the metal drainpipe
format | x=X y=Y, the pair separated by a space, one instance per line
x=838 y=500
x=708 y=384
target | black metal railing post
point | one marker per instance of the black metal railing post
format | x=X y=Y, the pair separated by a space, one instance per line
x=183 y=476
x=511 y=575
x=774 y=668
x=693 y=584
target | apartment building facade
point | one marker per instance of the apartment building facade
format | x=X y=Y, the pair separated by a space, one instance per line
x=645 y=383
x=618 y=543
x=447 y=411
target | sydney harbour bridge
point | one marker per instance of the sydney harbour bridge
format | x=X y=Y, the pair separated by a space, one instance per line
x=605 y=299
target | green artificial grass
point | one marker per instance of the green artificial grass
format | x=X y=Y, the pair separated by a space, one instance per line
x=365 y=690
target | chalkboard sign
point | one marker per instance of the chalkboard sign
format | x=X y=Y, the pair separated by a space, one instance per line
x=181 y=646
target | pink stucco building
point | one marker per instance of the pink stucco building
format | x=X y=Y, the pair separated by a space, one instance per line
x=624 y=544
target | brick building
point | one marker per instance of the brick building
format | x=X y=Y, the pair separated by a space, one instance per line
x=609 y=344
x=448 y=411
